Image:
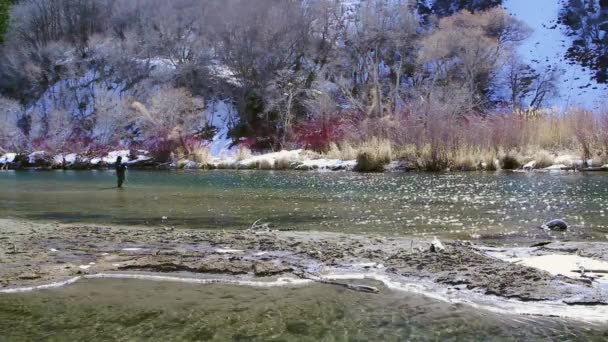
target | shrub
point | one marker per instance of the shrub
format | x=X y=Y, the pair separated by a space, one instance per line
x=200 y=155
x=344 y=151
x=509 y=162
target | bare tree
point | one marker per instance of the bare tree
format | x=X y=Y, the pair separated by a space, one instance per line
x=11 y=136
x=171 y=114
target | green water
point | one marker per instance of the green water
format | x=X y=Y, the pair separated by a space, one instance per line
x=131 y=310
x=492 y=206
x=458 y=205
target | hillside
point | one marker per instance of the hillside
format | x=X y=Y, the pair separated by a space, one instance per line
x=380 y=80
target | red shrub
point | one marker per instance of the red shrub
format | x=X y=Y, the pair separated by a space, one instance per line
x=317 y=133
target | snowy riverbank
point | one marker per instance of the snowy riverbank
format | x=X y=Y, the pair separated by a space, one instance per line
x=283 y=160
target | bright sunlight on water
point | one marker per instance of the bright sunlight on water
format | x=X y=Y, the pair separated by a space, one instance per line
x=461 y=205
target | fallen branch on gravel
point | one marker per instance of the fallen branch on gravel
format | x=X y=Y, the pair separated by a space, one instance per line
x=354 y=287
x=256 y=226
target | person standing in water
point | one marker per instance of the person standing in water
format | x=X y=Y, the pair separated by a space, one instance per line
x=121 y=171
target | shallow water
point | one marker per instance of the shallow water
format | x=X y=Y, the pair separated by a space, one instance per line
x=144 y=310
x=505 y=206
x=493 y=206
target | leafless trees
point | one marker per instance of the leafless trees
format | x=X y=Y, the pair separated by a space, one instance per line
x=11 y=137
x=281 y=61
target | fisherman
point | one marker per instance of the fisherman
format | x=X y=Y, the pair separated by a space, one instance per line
x=121 y=170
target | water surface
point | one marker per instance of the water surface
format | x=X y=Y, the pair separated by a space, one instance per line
x=458 y=205
x=130 y=310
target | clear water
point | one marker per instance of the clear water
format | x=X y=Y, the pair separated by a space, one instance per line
x=506 y=207
x=458 y=205
x=128 y=310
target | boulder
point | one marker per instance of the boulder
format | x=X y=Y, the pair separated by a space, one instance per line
x=436 y=246
x=556 y=224
x=40 y=159
x=530 y=166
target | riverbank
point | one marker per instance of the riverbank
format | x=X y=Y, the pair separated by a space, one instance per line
x=38 y=254
x=302 y=160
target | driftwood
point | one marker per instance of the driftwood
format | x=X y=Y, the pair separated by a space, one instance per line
x=590 y=271
x=257 y=226
x=354 y=287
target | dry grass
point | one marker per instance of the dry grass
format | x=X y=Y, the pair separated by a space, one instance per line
x=343 y=151
x=200 y=155
x=435 y=141
x=374 y=155
x=543 y=159
x=264 y=165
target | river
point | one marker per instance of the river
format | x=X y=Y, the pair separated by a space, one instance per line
x=501 y=206
x=496 y=208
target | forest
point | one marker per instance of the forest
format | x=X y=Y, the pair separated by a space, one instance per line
x=437 y=83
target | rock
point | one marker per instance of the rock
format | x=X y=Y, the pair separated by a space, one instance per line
x=436 y=246
x=556 y=224
x=530 y=166
x=187 y=164
x=262 y=268
x=39 y=159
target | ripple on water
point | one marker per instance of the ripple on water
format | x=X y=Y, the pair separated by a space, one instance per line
x=135 y=309
x=460 y=205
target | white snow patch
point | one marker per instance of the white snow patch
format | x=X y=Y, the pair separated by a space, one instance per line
x=565 y=265
x=549 y=45
x=69 y=158
x=223 y=116
x=113 y=155
x=557 y=167
x=329 y=164
x=272 y=158
x=8 y=158
x=228 y=251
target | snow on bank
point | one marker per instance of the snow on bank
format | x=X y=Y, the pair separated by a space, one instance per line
x=285 y=159
x=568 y=265
x=8 y=158
x=113 y=156
x=223 y=116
